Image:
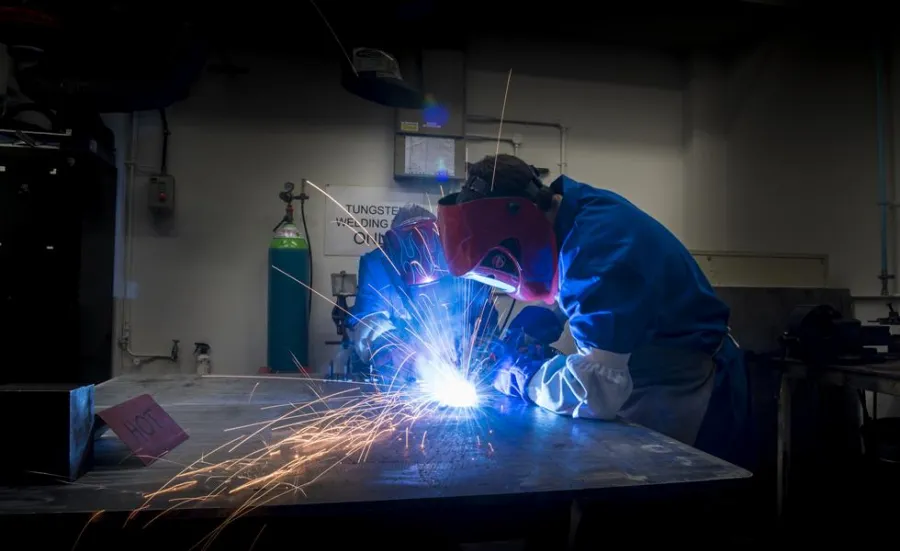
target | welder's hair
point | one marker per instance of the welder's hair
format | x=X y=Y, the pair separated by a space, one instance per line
x=409 y=212
x=513 y=177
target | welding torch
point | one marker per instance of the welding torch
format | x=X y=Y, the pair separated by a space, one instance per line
x=530 y=337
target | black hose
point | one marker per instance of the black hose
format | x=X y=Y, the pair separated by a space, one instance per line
x=309 y=252
x=506 y=319
x=163 y=165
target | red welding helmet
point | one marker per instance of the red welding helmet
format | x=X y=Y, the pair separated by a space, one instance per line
x=504 y=241
x=415 y=250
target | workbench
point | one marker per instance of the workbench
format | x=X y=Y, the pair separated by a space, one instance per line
x=880 y=378
x=508 y=461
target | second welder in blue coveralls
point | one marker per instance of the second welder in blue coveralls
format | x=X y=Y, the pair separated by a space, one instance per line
x=406 y=286
x=653 y=338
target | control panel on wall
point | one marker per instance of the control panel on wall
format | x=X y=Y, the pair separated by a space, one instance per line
x=162 y=194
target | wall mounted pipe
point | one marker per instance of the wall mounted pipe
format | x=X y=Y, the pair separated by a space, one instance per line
x=559 y=127
x=479 y=138
x=125 y=330
x=883 y=200
x=563 y=137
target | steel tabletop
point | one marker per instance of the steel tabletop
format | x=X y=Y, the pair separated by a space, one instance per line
x=506 y=449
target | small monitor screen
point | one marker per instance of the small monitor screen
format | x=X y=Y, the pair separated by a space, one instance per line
x=429 y=156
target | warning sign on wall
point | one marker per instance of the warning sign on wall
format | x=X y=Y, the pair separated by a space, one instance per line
x=368 y=215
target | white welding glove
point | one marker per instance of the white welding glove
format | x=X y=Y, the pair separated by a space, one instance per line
x=341 y=360
x=593 y=384
x=367 y=331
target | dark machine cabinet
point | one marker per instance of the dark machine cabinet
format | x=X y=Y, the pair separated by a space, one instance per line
x=57 y=258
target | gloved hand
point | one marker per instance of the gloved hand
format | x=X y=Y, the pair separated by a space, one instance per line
x=368 y=332
x=342 y=360
x=392 y=358
x=538 y=324
x=382 y=349
x=520 y=350
x=512 y=378
x=592 y=384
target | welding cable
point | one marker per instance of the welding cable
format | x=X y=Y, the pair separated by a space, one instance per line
x=506 y=319
x=309 y=252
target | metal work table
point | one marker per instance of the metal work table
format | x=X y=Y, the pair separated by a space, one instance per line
x=506 y=453
x=879 y=378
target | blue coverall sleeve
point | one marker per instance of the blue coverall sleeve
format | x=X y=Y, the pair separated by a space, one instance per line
x=542 y=324
x=609 y=289
x=372 y=310
x=373 y=281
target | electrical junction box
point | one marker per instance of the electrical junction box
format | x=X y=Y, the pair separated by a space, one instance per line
x=162 y=194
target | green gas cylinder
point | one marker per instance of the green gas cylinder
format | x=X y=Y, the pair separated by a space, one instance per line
x=288 y=300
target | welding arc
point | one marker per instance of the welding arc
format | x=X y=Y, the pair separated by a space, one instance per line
x=447 y=377
x=336 y=434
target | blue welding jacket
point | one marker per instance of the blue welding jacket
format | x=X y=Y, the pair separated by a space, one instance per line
x=382 y=290
x=625 y=281
x=377 y=283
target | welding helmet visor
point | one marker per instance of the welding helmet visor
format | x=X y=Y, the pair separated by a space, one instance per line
x=505 y=242
x=415 y=250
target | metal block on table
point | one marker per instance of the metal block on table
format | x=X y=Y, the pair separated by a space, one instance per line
x=48 y=432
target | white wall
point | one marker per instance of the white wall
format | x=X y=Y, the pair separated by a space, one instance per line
x=798 y=174
x=801 y=171
x=802 y=157
x=233 y=145
x=623 y=133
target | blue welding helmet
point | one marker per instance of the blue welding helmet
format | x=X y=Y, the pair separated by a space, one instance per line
x=414 y=248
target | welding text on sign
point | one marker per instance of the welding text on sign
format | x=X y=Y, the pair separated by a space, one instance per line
x=371 y=210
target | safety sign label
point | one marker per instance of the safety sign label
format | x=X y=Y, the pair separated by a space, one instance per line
x=366 y=215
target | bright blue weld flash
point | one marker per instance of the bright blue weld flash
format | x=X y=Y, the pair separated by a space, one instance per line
x=457 y=394
x=447 y=385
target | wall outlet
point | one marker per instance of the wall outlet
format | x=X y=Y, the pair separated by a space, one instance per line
x=161 y=198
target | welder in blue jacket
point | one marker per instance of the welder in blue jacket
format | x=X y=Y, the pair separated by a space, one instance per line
x=406 y=290
x=652 y=337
